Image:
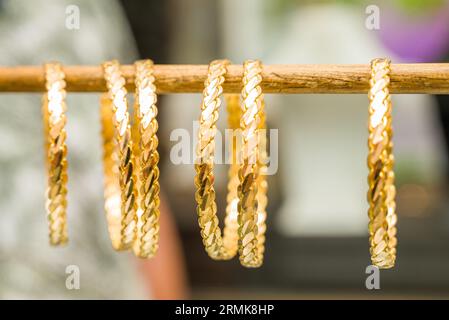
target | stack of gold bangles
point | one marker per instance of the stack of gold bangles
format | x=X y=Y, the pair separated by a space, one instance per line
x=245 y=214
x=131 y=158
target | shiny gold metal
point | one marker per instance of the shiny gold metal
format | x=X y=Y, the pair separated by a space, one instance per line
x=146 y=159
x=54 y=108
x=381 y=194
x=217 y=247
x=120 y=195
x=252 y=174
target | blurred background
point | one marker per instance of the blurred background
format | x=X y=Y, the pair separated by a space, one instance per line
x=317 y=242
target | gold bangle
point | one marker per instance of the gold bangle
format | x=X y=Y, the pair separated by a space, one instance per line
x=54 y=108
x=146 y=159
x=230 y=231
x=381 y=194
x=120 y=199
x=253 y=185
x=217 y=247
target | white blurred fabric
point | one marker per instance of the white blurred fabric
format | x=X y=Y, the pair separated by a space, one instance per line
x=32 y=32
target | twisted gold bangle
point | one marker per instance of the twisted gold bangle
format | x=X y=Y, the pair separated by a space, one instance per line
x=120 y=199
x=54 y=108
x=217 y=247
x=381 y=194
x=230 y=232
x=253 y=185
x=146 y=159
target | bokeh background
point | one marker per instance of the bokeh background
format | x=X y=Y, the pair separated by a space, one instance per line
x=317 y=244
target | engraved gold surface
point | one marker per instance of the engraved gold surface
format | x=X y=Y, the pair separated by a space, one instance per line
x=54 y=108
x=253 y=185
x=217 y=246
x=146 y=159
x=381 y=194
x=120 y=197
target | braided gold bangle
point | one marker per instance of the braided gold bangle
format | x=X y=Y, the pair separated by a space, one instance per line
x=381 y=194
x=230 y=232
x=217 y=247
x=120 y=199
x=253 y=185
x=54 y=108
x=146 y=159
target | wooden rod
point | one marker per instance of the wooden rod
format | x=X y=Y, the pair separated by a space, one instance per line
x=432 y=78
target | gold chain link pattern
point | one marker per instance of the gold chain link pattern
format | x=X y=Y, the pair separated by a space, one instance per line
x=146 y=159
x=217 y=247
x=120 y=199
x=54 y=108
x=262 y=183
x=230 y=232
x=252 y=188
x=381 y=194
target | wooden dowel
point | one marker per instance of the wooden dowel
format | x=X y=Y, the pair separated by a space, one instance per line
x=432 y=78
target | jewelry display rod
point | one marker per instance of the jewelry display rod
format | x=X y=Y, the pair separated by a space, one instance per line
x=431 y=78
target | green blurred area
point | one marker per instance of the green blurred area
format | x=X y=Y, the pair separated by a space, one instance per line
x=412 y=6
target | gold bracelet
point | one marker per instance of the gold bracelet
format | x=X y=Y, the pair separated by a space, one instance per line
x=230 y=232
x=54 y=108
x=253 y=185
x=381 y=194
x=120 y=199
x=146 y=159
x=217 y=247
